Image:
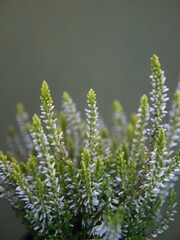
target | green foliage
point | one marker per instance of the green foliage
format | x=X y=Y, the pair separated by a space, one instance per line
x=69 y=178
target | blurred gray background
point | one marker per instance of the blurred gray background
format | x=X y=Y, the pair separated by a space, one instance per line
x=78 y=45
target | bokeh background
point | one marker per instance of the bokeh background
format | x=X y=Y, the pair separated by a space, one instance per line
x=78 y=45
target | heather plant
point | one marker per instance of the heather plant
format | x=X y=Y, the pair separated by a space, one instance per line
x=69 y=178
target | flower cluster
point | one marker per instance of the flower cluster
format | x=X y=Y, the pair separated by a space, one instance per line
x=69 y=178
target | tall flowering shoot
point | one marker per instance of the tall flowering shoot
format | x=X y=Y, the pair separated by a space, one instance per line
x=69 y=178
